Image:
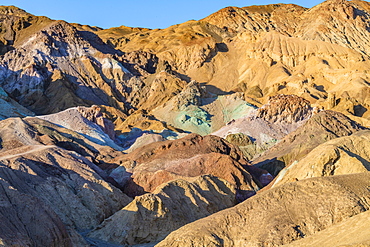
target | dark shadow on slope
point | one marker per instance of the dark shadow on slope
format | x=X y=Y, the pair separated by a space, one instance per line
x=273 y=166
x=215 y=90
x=96 y=42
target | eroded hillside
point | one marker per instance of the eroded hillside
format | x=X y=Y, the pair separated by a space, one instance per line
x=247 y=127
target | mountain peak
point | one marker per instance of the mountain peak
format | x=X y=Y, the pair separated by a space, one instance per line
x=13 y=10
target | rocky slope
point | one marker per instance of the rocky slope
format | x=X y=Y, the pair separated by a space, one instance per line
x=322 y=127
x=266 y=50
x=292 y=211
x=69 y=191
x=268 y=124
x=88 y=122
x=89 y=114
x=341 y=234
x=345 y=155
x=10 y=108
x=166 y=209
x=149 y=166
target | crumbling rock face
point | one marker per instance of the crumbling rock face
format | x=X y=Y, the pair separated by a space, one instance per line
x=167 y=208
x=285 y=108
x=299 y=209
x=95 y=115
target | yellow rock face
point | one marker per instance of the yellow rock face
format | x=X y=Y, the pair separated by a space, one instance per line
x=345 y=155
x=280 y=215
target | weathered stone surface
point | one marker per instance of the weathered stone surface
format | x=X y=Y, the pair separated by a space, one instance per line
x=268 y=124
x=151 y=217
x=67 y=182
x=344 y=155
x=10 y=108
x=285 y=108
x=350 y=232
x=280 y=215
x=17 y=132
x=88 y=122
x=190 y=156
x=239 y=139
x=322 y=127
x=197 y=111
x=63 y=188
x=28 y=221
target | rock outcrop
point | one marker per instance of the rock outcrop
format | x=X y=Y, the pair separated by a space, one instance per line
x=191 y=156
x=167 y=208
x=321 y=128
x=268 y=124
x=344 y=155
x=291 y=212
x=10 y=108
x=62 y=189
x=285 y=109
x=87 y=121
x=196 y=111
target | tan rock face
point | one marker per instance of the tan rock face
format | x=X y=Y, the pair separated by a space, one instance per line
x=350 y=232
x=291 y=211
x=167 y=208
x=28 y=221
x=285 y=108
x=322 y=127
x=239 y=139
x=344 y=155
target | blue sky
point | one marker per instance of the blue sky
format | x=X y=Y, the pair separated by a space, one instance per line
x=135 y=13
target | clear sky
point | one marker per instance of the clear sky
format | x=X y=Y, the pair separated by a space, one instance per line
x=135 y=13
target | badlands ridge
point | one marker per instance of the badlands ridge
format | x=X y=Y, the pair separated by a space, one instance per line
x=249 y=127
